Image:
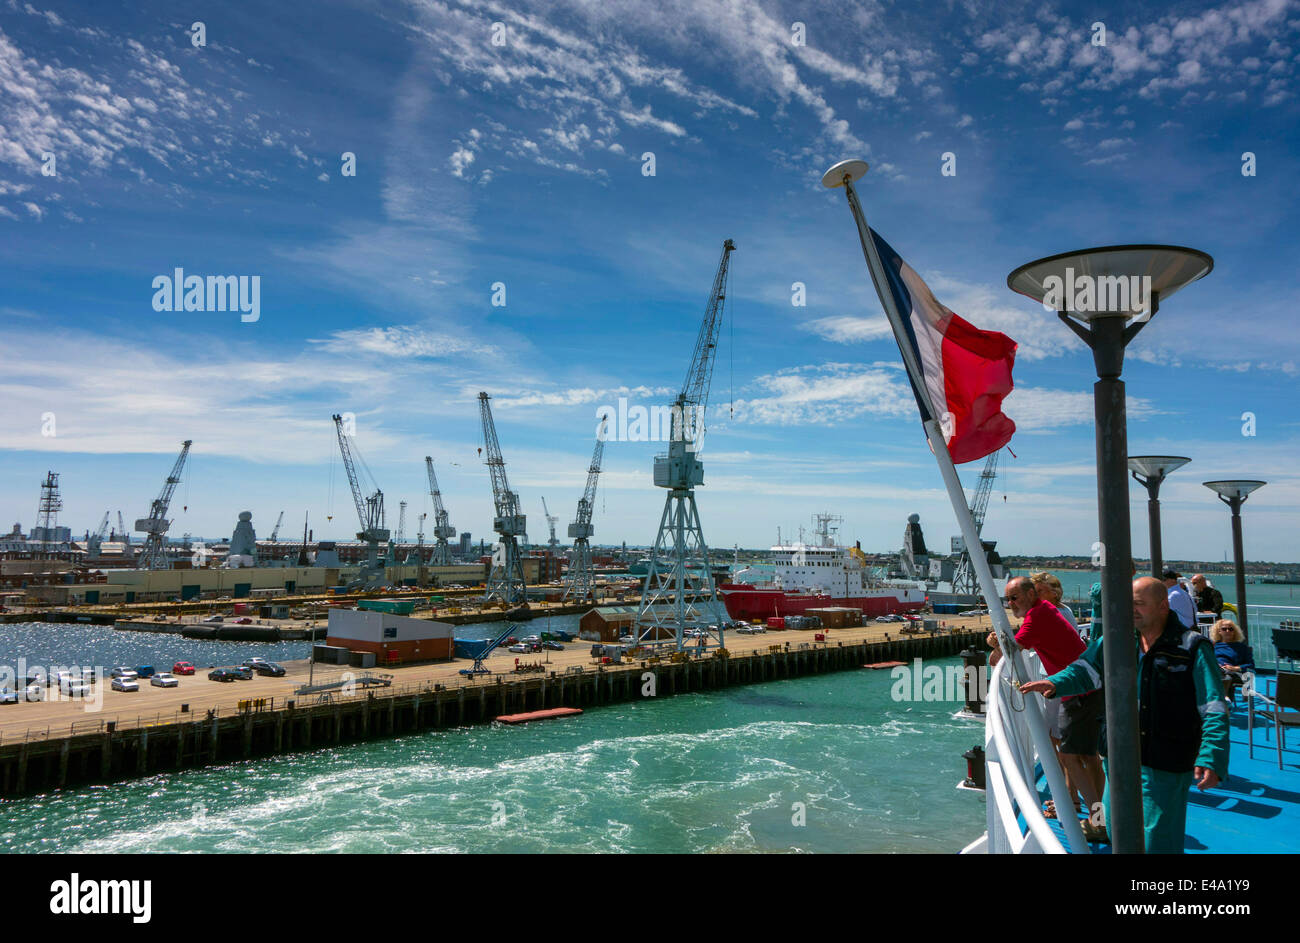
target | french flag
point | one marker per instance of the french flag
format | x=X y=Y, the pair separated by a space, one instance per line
x=966 y=372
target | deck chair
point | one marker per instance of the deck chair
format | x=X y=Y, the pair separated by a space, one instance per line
x=1283 y=711
x=1286 y=640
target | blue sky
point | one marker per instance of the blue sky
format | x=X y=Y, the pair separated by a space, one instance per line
x=522 y=164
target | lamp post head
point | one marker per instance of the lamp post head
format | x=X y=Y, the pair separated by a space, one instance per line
x=853 y=169
x=1155 y=467
x=1110 y=281
x=1234 y=490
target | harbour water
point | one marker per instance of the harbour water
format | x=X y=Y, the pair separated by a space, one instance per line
x=729 y=770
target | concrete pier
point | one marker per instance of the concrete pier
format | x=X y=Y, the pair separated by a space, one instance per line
x=267 y=727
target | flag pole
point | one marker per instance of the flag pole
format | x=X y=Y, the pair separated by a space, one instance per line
x=843 y=174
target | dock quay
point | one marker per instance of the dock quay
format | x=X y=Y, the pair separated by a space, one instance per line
x=48 y=745
x=459 y=607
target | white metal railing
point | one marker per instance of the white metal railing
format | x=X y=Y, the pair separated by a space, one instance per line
x=1261 y=621
x=1011 y=791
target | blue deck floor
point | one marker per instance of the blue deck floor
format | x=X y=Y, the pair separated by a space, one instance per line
x=1255 y=811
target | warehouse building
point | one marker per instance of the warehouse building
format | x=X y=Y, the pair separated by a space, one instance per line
x=609 y=623
x=393 y=639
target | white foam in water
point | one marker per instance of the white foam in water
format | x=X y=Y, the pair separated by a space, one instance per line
x=697 y=773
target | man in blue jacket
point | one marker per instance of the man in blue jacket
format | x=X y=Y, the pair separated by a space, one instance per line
x=1182 y=715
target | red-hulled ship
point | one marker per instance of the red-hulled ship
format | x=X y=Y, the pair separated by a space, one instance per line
x=809 y=577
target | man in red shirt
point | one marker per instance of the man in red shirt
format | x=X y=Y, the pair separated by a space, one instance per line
x=1045 y=631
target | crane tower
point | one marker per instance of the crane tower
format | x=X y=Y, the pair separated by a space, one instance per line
x=153 y=555
x=442 y=528
x=370 y=512
x=580 y=581
x=679 y=594
x=963 y=580
x=506 y=579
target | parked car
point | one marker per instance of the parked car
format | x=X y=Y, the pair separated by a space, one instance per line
x=519 y=648
x=745 y=629
x=221 y=674
x=124 y=672
x=268 y=668
x=254 y=661
x=244 y=621
x=553 y=646
x=126 y=684
x=145 y=671
x=75 y=689
x=242 y=672
x=528 y=639
x=8 y=697
x=884 y=619
x=164 y=680
x=183 y=668
x=34 y=692
x=214 y=619
x=626 y=640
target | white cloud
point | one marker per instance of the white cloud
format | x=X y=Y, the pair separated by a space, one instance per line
x=847 y=329
x=402 y=341
x=826 y=395
x=461 y=158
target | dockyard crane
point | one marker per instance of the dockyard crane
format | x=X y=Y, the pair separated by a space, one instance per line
x=95 y=541
x=370 y=511
x=275 y=533
x=442 y=528
x=679 y=594
x=551 y=521
x=124 y=535
x=401 y=523
x=506 y=579
x=153 y=555
x=580 y=582
x=963 y=580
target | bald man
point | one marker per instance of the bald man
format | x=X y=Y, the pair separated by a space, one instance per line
x=1182 y=715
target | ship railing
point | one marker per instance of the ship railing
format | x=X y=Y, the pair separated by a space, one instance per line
x=1261 y=620
x=1014 y=811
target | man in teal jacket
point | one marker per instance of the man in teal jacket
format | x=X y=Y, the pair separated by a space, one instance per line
x=1182 y=715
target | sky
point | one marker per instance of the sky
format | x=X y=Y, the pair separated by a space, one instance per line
x=392 y=171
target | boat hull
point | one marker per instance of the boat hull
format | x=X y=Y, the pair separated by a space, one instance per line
x=749 y=603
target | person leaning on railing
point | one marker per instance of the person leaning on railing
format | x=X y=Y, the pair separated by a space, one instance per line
x=1208 y=599
x=1074 y=722
x=1182 y=714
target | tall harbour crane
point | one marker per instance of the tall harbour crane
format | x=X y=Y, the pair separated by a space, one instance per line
x=96 y=540
x=401 y=523
x=124 y=535
x=679 y=594
x=442 y=528
x=370 y=511
x=506 y=579
x=580 y=581
x=963 y=580
x=551 y=521
x=275 y=533
x=153 y=555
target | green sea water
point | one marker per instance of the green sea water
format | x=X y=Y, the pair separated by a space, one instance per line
x=820 y=764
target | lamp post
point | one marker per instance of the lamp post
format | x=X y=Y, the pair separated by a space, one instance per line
x=1106 y=296
x=1150 y=471
x=1234 y=494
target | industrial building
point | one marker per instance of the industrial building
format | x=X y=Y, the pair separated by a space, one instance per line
x=392 y=638
x=610 y=623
